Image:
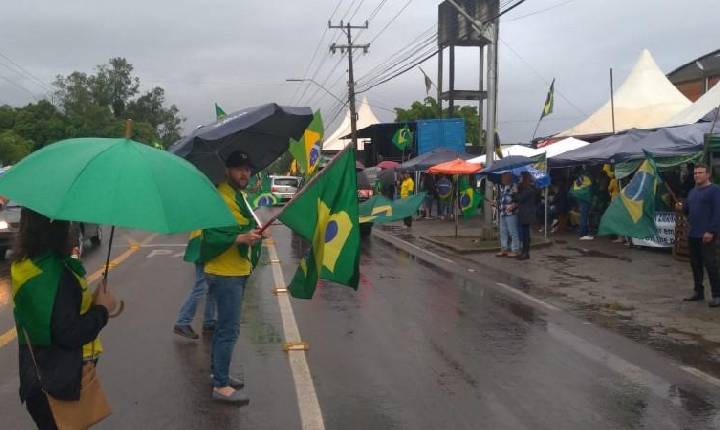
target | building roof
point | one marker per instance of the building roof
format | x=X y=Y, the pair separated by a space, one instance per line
x=645 y=99
x=692 y=71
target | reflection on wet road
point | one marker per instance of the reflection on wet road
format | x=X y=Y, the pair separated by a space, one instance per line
x=421 y=347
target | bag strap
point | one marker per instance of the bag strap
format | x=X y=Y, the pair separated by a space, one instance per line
x=32 y=356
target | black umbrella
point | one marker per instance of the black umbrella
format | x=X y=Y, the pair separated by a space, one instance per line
x=263 y=132
x=507 y=163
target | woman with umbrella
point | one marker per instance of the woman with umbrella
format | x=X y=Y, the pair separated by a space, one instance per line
x=58 y=320
x=527 y=206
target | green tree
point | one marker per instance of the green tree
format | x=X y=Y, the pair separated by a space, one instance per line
x=98 y=104
x=13 y=147
x=430 y=109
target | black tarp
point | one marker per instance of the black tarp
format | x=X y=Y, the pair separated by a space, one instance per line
x=665 y=142
x=429 y=159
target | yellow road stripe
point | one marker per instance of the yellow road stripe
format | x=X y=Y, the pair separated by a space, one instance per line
x=11 y=334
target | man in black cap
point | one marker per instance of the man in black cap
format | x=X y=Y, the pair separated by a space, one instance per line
x=229 y=255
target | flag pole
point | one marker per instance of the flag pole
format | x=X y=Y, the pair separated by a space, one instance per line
x=536 y=129
x=305 y=188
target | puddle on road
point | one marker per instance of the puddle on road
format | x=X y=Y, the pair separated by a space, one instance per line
x=597 y=254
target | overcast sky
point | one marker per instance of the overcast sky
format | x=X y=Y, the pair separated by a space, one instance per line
x=238 y=53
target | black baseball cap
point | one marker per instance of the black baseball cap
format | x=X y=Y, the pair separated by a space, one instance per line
x=238 y=159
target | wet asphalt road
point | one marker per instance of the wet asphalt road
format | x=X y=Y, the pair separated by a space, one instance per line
x=416 y=347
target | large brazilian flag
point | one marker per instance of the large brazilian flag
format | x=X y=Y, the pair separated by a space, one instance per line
x=307 y=150
x=380 y=210
x=326 y=215
x=469 y=197
x=633 y=212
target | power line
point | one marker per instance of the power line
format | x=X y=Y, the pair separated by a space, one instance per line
x=26 y=72
x=391 y=21
x=539 y=11
x=34 y=96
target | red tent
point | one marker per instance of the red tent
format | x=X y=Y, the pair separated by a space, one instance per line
x=455 y=167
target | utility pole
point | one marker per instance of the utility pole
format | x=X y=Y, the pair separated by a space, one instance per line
x=490 y=31
x=347 y=29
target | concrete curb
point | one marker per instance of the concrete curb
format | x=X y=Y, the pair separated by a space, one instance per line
x=437 y=240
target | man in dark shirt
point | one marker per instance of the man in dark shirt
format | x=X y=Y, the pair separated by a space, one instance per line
x=703 y=211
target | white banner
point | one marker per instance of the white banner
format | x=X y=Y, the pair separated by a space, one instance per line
x=665 y=237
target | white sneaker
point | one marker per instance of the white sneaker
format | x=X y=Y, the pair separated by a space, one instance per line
x=587 y=238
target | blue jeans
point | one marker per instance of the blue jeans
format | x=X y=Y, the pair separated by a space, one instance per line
x=584 y=218
x=228 y=292
x=187 y=311
x=509 y=226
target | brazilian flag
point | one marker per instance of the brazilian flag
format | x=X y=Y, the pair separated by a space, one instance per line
x=381 y=210
x=633 y=214
x=582 y=188
x=403 y=138
x=264 y=199
x=259 y=191
x=307 y=150
x=219 y=112
x=549 y=101
x=326 y=215
x=469 y=197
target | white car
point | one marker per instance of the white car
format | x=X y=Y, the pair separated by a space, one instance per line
x=285 y=187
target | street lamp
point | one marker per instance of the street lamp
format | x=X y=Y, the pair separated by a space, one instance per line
x=314 y=82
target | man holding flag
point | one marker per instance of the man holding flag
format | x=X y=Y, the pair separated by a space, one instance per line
x=230 y=254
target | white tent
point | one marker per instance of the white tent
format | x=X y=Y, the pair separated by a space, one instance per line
x=644 y=100
x=693 y=113
x=550 y=151
x=508 y=150
x=366 y=118
x=563 y=146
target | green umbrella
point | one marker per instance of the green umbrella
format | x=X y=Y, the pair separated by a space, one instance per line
x=117 y=182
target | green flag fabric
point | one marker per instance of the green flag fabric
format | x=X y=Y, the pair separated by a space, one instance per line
x=403 y=138
x=582 y=188
x=326 y=215
x=259 y=191
x=381 y=210
x=549 y=101
x=469 y=197
x=307 y=150
x=633 y=212
x=219 y=112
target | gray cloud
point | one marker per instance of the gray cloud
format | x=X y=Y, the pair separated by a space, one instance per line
x=238 y=53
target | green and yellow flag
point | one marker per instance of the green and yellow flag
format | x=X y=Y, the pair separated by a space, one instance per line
x=633 y=214
x=381 y=210
x=403 y=138
x=326 y=215
x=549 y=101
x=260 y=192
x=307 y=150
x=219 y=112
x=470 y=198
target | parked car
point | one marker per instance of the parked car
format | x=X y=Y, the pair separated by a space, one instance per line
x=285 y=187
x=10 y=225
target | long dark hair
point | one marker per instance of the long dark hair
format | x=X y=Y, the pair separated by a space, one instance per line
x=39 y=235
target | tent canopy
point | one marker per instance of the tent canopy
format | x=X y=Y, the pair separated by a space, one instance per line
x=644 y=100
x=708 y=103
x=665 y=142
x=508 y=150
x=429 y=159
x=455 y=167
x=366 y=118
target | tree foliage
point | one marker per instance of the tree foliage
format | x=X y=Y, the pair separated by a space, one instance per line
x=430 y=109
x=90 y=105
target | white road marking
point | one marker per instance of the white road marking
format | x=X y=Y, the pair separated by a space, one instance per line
x=702 y=375
x=159 y=252
x=525 y=296
x=432 y=254
x=310 y=413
